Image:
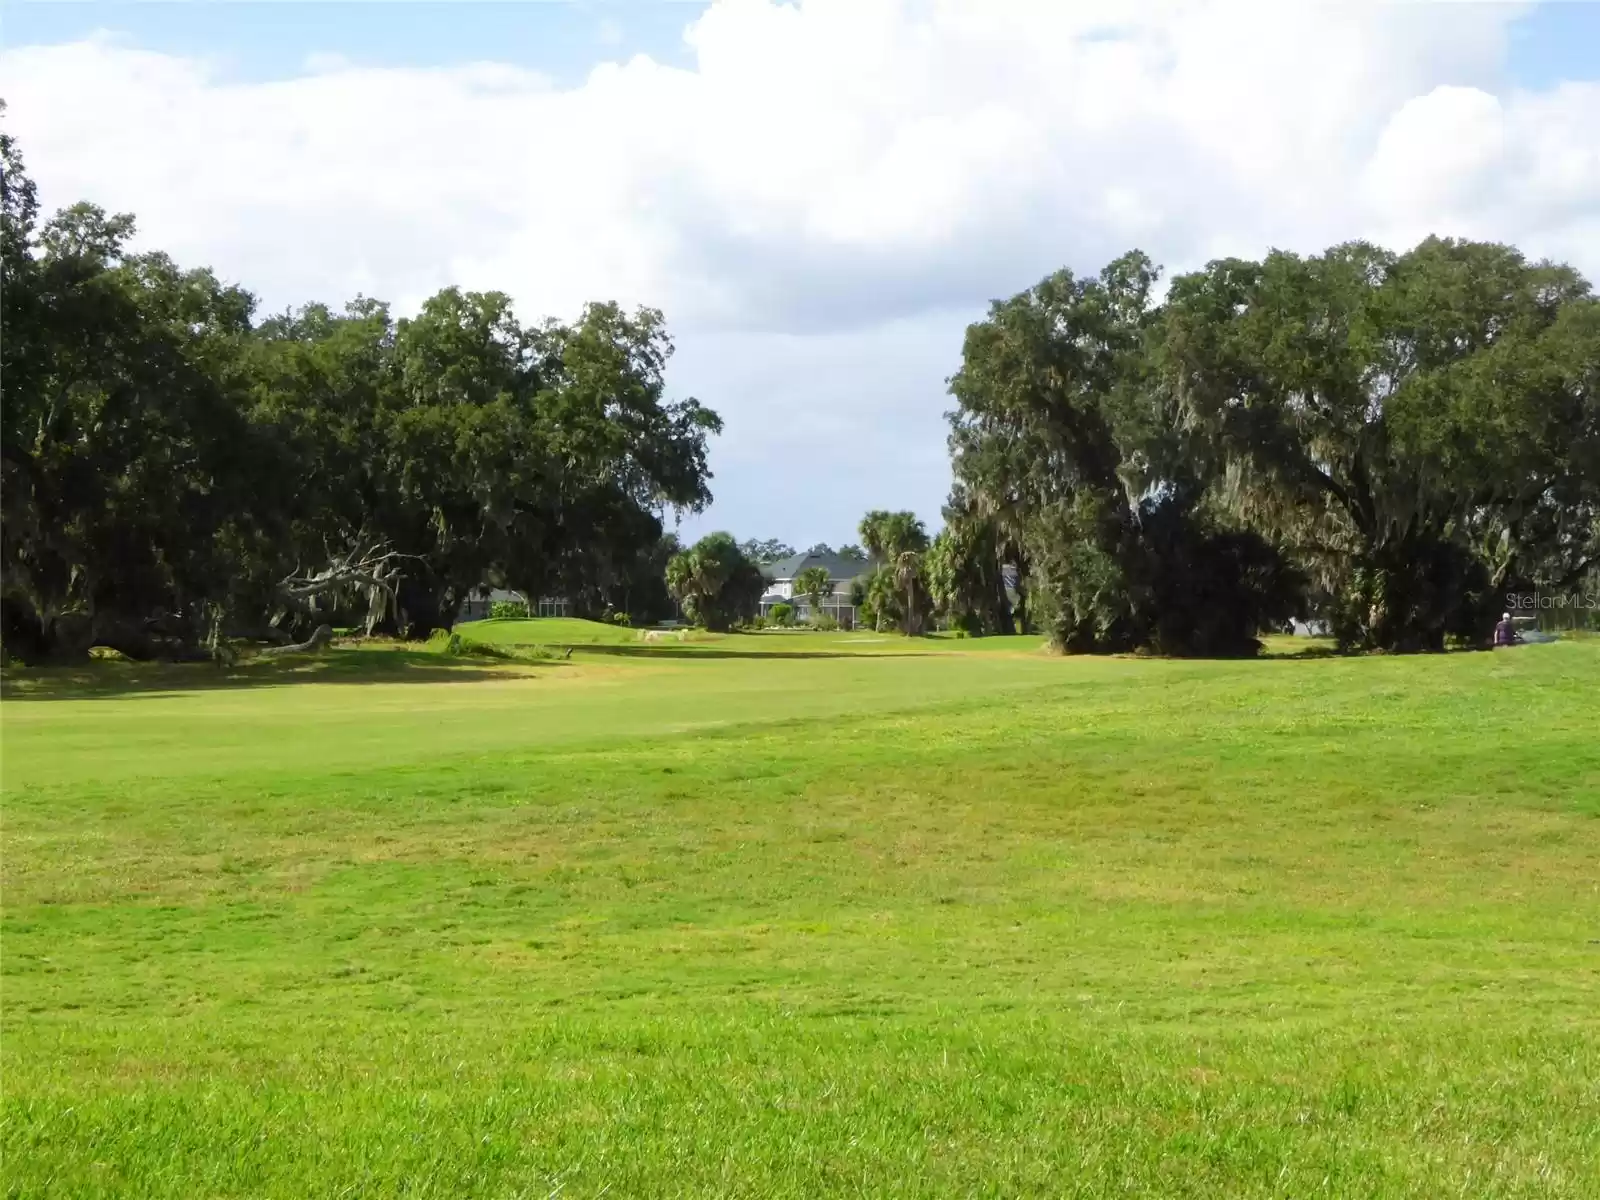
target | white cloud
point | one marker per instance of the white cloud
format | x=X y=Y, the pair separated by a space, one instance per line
x=1525 y=168
x=826 y=170
x=823 y=427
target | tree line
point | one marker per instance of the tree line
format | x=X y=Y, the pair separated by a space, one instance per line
x=895 y=583
x=178 y=474
x=1391 y=443
x=764 y=551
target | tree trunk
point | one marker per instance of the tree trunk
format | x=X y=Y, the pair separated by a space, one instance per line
x=423 y=607
x=1006 y=624
x=143 y=640
x=22 y=634
x=317 y=641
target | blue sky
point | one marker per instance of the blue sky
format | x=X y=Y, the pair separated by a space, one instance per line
x=560 y=38
x=819 y=196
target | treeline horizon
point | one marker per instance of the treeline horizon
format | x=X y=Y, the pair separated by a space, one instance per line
x=1387 y=442
x=1391 y=443
x=179 y=477
x=1394 y=445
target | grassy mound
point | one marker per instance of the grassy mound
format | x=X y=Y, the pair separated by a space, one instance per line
x=547 y=631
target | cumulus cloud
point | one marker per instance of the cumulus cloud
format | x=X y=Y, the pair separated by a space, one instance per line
x=826 y=177
x=1461 y=160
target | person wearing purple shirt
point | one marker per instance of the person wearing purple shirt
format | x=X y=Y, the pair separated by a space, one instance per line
x=1505 y=633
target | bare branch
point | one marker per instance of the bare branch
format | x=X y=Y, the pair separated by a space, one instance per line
x=368 y=569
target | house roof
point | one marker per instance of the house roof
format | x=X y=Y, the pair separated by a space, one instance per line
x=840 y=570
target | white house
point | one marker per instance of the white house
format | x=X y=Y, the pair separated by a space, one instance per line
x=842 y=572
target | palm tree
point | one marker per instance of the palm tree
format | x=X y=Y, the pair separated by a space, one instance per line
x=813 y=583
x=874 y=530
x=889 y=537
x=907 y=566
x=875 y=593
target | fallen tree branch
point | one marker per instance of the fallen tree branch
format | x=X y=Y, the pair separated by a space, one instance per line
x=369 y=570
x=319 y=639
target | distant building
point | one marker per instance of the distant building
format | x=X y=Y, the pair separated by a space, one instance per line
x=479 y=602
x=842 y=572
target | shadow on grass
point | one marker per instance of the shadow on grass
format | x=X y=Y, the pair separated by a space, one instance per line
x=115 y=680
x=1307 y=652
x=693 y=650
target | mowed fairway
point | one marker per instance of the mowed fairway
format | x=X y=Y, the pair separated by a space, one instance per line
x=849 y=917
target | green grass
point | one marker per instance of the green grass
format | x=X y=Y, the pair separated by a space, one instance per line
x=548 y=631
x=804 y=914
x=597 y=636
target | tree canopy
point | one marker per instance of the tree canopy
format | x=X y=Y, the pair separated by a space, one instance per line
x=813 y=583
x=1392 y=442
x=1396 y=440
x=175 y=471
x=893 y=592
x=716 y=583
x=764 y=551
x=1422 y=429
x=964 y=572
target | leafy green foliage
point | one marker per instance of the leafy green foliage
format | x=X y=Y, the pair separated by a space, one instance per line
x=1063 y=446
x=508 y=610
x=891 y=597
x=763 y=552
x=1400 y=438
x=887 y=535
x=894 y=592
x=964 y=573
x=781 y=614
x=813 y=583
x=716 y=584
x=130 y=477
x=1422 y=429
x=168 y=463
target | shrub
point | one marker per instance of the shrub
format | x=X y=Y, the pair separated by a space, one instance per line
x=1415 y=595
x=508 y=610
x=825 y=623
x=781 y=614
x=453 y=645
x=715 y=583
x=510 y=653
x=968 y=624
x=622 y=619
